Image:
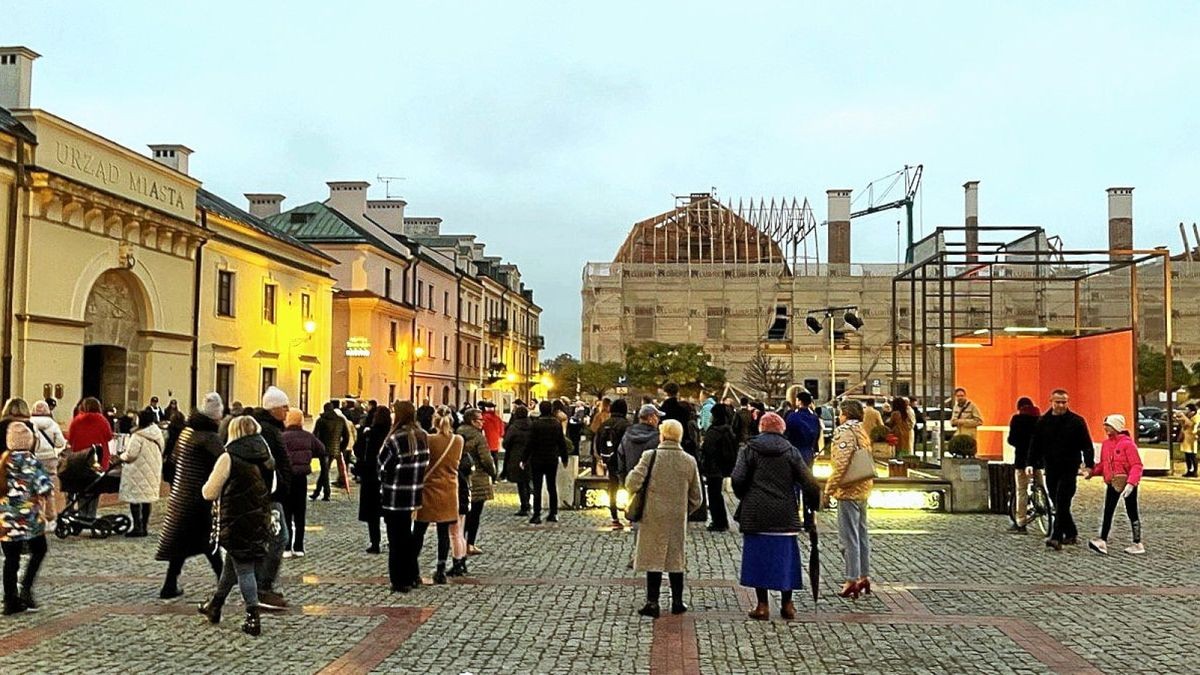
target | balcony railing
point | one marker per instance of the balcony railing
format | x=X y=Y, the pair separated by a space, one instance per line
x=497 y=326
x=537 y=341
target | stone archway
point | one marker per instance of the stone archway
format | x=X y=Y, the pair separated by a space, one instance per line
x=112 y=357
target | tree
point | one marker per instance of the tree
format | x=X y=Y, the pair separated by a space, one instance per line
x=563 y=370
x=596 y=378
x=767 y=375
x=1152 y=372
x=650 y=365
x=554 y=365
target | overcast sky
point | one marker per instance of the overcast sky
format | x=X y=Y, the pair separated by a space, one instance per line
x=550 y=128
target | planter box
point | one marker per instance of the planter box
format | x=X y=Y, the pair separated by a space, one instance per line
x=897 y=469
x=882 y=451
x=969 y=482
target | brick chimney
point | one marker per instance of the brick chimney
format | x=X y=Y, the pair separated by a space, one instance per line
x=971 y=221
x=389 y=213
x=16 y=76
x=174 y=156
x=264 y=204
x=838 y=218
x=1120 y=220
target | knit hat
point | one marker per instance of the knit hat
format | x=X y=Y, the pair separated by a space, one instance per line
x=771 y=423
x=41 y=409
x=1116 y=422
x=212 y=406
x=274 y=398
x=294 y=418
x=18 y=437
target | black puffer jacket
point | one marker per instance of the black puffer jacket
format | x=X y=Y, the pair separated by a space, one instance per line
x=546 y=442
x=186 y=529
x=764 y=479
x=331 y=430
x=244 y=523
x=516 y=440
x=719 y=452
x=272 y=433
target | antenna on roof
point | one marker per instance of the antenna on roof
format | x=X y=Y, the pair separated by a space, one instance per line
x=387 y=185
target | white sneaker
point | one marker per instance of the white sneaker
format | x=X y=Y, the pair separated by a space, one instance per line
x=1099 y=546
x=287 y=554
x=298 y=554
x=1136 y=549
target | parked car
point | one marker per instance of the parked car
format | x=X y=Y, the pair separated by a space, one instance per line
x=1148 y=428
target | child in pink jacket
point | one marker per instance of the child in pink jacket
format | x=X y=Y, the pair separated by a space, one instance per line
x=1121 y=467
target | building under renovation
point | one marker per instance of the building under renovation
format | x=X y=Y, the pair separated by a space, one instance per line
x=747 y=278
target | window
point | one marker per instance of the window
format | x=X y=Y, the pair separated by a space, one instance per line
x=299 y=218
x=268 y=378
x=446 y=303
x=392 y=338
x=269 y=303
x=404 y=288
x=420 y=293
x=445 y=348
x=391 y=393
x=431 y=296
x=305 y=306
x=224 y=383
x=446 y=395
x=779 y=326
x=429 y=341
x=643 y=323
x=224 y=293
x=715 y=323
x=305 y=375
x=387 y=283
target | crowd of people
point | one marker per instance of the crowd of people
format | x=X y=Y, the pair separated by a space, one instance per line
x=240 y=479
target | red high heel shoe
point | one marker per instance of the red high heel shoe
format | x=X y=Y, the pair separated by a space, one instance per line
x=850 y=589
x=864 y=586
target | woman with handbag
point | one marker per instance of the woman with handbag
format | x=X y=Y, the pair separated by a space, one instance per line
x=1121 y=467
x=666 y=488
x=439 y=499
x=850 y=484
x=765 y=478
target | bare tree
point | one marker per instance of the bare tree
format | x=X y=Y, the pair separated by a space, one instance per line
x=768 y=375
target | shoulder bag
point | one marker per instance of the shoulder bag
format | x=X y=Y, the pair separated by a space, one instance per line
x=861 y=467
x=637 y=503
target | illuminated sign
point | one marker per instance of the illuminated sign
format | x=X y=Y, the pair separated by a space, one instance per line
x=358 y=346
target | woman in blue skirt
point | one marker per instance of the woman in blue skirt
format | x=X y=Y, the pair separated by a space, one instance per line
x=764 y=479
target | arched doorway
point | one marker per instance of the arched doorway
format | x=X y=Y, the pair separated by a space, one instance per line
x=112 y=364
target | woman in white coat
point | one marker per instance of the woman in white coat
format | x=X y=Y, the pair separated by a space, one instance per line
x=141 y=473
x=50 y=442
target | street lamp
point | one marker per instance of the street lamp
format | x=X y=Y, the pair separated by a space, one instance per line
x=418 y=352
x=852 y=321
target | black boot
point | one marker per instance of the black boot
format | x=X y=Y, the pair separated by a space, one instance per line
x=459 y=568
x=439 y=577
x=135 y=514
x=27 y=599
x=252 y=625
x=211 y=609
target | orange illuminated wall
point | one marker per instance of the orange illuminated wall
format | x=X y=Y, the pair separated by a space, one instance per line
x=1096 y=370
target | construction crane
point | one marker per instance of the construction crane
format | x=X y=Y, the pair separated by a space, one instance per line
x=879 y=191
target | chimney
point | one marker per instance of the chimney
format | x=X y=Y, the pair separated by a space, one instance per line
x=972 y=219
x=1120 y=221
x=389 y=213
x=263 y=204
x=348 y=197
x=16 y=76
x=838 y=218
x=174 y=156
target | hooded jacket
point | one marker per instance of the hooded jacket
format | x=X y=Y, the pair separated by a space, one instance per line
x=638 y=438
x=272 y=433
x=141 y=475
x=243 y=498
x=765 y=479
x=1020 y=433
x=1119 y=455
x=331 y=430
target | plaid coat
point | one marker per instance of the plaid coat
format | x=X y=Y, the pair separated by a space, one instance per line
x=402 y=469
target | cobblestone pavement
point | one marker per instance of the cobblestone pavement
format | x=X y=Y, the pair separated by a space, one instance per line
x=954 y=594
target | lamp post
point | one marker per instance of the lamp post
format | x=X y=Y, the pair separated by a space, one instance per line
x=853 y=322
x=416 y=354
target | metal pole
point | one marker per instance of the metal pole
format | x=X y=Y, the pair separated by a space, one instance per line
x=832 y=361
x=1169 y=348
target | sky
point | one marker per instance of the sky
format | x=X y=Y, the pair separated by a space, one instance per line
x=549 y=128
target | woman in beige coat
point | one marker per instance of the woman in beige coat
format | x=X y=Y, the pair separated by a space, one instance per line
x=439 y=499
x=673 y=493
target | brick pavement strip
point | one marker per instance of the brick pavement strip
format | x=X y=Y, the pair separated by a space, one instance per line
x=952 y=594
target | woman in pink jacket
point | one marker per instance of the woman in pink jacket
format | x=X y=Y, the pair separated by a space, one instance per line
x=1121 y=467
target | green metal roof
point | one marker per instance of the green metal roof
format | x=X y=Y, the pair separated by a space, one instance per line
x=316 y=222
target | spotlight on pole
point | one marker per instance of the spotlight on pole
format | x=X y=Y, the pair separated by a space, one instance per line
x=853 y=321
x=813 y=323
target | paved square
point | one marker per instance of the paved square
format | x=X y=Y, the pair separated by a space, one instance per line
x=954 y=594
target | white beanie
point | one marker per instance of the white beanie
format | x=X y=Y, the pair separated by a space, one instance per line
x=212 y=406
x=274 y=398
x=1116 y=422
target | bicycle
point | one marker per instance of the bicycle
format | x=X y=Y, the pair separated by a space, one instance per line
x=1041 y=509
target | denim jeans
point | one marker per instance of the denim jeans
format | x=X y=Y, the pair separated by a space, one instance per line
x=267 y=569
x=242 y=573
x=852 y=534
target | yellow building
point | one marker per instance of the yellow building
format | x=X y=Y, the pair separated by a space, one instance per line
x=105 y=287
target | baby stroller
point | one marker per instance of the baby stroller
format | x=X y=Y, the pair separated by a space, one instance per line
x=81 y=479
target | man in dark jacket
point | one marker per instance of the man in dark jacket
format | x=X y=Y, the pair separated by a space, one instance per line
x=1060 y=441
x=803 y=432
x=608 y=445
x=515 y=444
x=270 y=417
x=546 y=448
x=425 y=416
x=331 y=430
x=718 y=454
x=1020 y=433
x=638 y=438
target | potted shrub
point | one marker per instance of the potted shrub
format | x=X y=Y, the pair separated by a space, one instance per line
x=962 y=445
x=879 y=443
x=967 y=475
